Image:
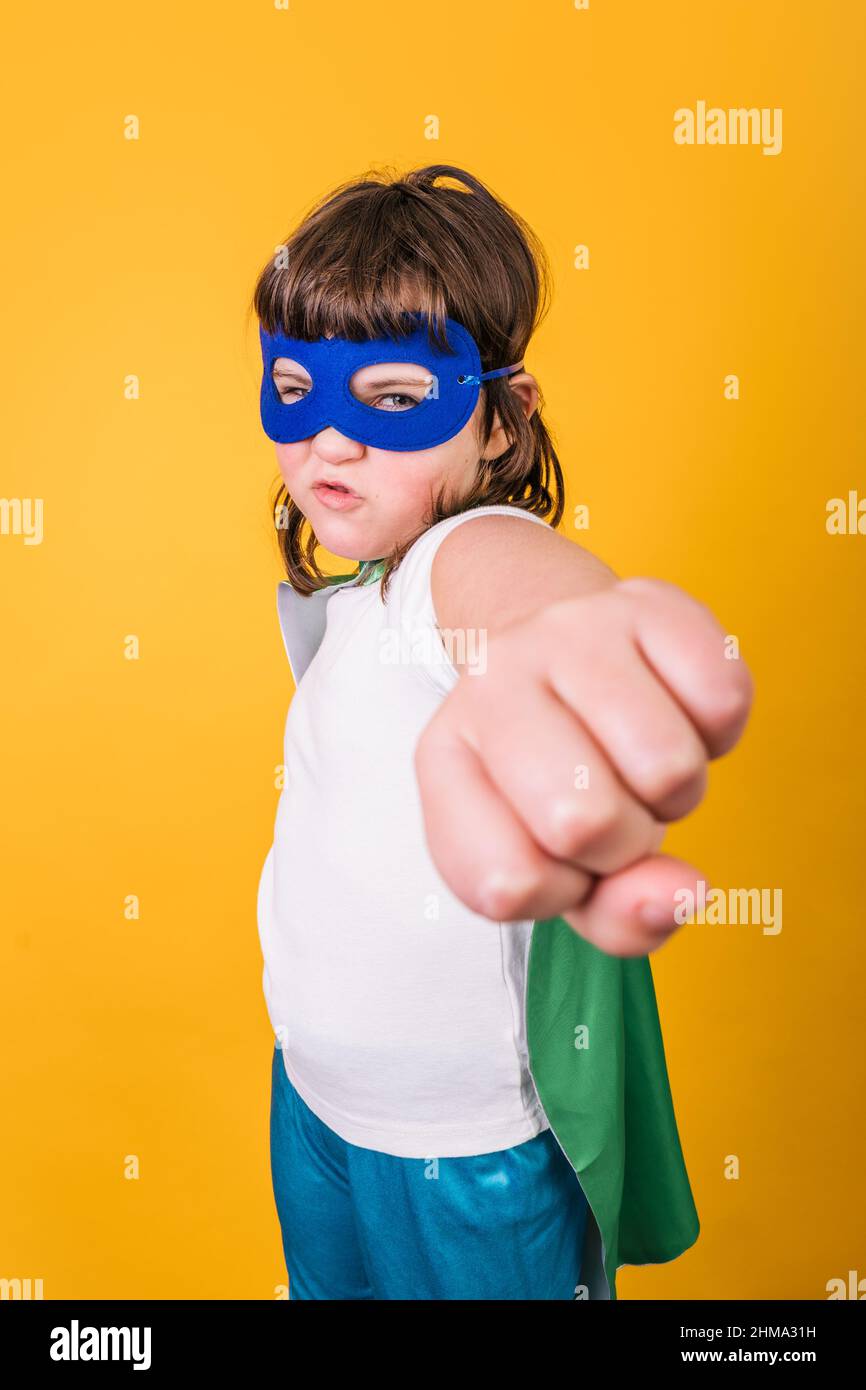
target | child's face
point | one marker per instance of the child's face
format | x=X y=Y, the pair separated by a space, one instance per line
x=388 y=492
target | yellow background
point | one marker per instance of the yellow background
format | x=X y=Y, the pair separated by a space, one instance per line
x=156 y=776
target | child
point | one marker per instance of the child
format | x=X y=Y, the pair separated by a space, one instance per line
x=488 y=733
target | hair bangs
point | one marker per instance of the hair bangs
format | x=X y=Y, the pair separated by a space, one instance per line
x=355 y=269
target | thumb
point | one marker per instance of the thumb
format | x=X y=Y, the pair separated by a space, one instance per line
x=631 y=913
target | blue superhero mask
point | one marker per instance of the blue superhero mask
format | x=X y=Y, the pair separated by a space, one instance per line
x=327 y=392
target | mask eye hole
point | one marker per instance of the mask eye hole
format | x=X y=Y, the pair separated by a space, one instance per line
x=292 y=381
x=395 y=387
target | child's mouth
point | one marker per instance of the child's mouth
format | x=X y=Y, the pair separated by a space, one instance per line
x=335 y=494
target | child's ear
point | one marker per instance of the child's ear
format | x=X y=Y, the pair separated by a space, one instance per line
x=525 y=386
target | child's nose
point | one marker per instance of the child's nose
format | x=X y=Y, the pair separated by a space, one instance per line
x=331 y=444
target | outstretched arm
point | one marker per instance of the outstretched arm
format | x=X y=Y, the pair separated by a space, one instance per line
x=548 y=773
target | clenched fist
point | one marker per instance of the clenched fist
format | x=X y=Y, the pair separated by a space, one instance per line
x=546 y=781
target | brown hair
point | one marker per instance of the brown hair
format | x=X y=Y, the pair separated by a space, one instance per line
x=346 y=271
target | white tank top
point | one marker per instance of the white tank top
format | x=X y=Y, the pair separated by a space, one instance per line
x=400 y=1012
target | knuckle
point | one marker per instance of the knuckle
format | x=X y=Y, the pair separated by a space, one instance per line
x=646 y=587
x=506 y=892
x=580 y=613
x=671 y=772
x=571 y=825
x=555 y=627
x=644 y=584
x=679 y=604
x=733 y=699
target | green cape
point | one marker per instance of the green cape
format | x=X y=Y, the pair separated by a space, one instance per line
x=597 y=1059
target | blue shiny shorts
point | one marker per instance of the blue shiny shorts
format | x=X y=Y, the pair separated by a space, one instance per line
x=357 y=1223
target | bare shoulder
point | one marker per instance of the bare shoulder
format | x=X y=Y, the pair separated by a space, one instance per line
x=494 y=569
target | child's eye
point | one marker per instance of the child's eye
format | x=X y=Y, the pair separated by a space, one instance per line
x=398 y=387
x=408 y=402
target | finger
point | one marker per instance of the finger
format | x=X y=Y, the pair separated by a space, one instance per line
x=649 y=739
x=557 y=779
x=478 y=843
x=689 y=651
x=634 y=912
